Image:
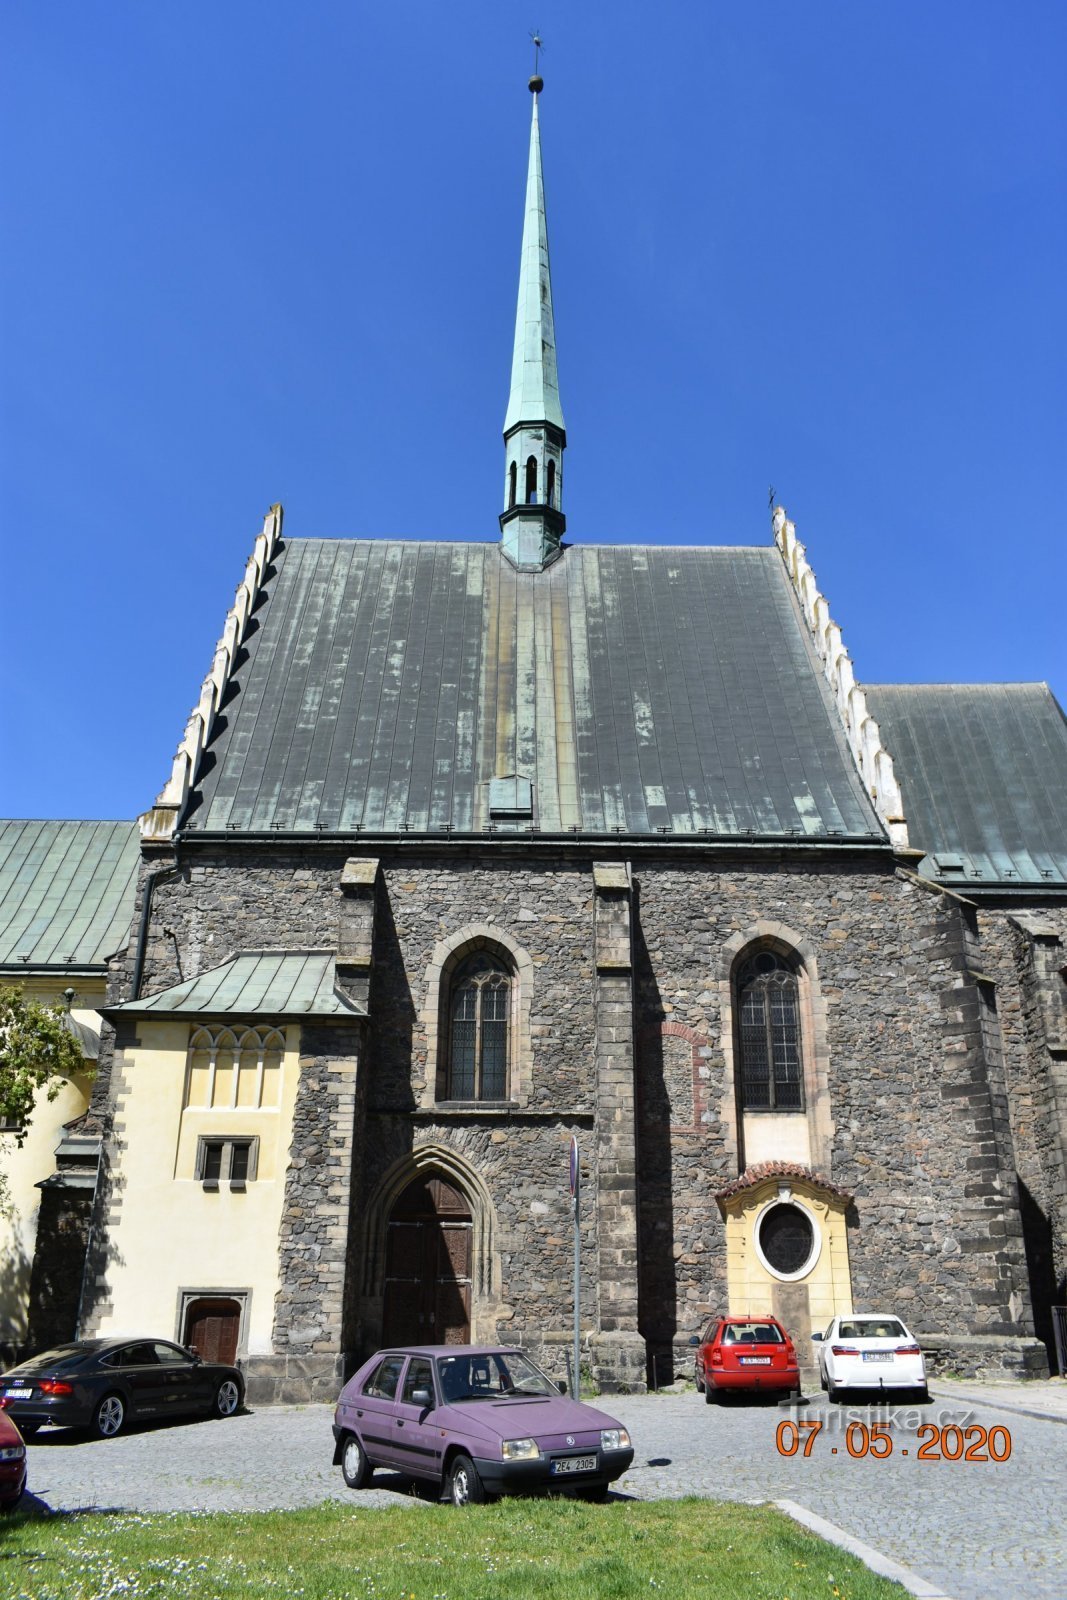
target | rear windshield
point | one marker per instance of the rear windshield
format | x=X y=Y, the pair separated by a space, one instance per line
x=751 y=1333
x=873 y=1328
x=63 y=1356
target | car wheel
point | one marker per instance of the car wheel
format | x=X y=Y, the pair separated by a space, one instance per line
x=822 y=1379
x=464 y=1484
x=709 y=1395
x=356 y=1470
x=700 y=1384
x=833 y=1391
x=227 y=1398
x=597 y=1495
x=109 y=1416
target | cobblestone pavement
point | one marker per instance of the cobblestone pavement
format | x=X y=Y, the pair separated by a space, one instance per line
x=980 y=1529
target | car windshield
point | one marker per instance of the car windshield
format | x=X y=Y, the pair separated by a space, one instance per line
x=873 y=1328
x=491 y=1375
x=751 y=1333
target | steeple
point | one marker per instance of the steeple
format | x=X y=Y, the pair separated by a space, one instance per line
x=532 y=523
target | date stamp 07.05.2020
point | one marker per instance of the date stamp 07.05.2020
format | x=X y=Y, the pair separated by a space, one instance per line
x=933 y=1442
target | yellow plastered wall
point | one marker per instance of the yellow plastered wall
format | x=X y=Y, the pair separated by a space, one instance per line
x=25 y=1167
x=750 y=1284
x=168 y=1235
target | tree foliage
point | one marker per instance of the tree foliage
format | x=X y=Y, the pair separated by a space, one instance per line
x=36 y=1052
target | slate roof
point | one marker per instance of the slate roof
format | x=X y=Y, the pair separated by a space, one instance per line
x=281 y=983
x=983 y=772
x=642 y=690
x=66 y=892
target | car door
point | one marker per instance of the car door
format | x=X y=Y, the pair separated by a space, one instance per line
x=139 y=1372
x=417 y=1443
x=375 y=1410
x=181 y=1385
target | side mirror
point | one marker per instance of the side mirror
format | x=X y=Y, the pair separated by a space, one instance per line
x=695 y=1339
x=195 y=1357
x=562 y=1386
x=422 y=1397
x=816 y=1338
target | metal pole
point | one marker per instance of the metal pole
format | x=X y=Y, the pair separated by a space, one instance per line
x=577 y=1294
x=576 y=1190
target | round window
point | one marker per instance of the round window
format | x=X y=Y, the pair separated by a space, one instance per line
x=786 y=1239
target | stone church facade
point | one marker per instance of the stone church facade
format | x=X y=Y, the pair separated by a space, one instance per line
x=472 y=849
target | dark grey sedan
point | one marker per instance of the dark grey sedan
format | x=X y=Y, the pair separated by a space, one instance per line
x=101 y=1384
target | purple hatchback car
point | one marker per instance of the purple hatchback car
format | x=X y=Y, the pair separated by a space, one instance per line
x=476 y=1419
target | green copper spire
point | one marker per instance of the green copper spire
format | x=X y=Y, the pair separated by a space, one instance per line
x=534 y=383
x=532 y=523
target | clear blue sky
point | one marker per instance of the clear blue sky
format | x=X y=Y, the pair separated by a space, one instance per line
x=262 y=251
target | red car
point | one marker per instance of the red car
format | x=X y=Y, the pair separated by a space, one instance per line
x=12 y=1464
x=745 y=1353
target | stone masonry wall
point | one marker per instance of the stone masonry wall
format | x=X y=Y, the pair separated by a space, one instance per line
x=910 y=1110
x=1030 y=1002
x=910 y=1107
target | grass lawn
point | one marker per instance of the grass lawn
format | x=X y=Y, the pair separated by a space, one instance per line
x=516 y=1550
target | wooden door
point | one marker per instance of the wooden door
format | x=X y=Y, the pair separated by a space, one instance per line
x=212 y=1328
x=428 y=1266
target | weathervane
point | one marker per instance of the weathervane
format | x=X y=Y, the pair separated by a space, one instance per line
x=537 y=83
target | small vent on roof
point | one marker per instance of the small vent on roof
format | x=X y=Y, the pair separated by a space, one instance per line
x=948 y=863
x=510 y=797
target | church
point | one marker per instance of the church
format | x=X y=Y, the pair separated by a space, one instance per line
x=470 y=850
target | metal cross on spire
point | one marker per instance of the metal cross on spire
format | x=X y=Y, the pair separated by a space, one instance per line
x=539 y=45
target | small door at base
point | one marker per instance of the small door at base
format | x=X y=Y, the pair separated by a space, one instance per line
x=213 y=1329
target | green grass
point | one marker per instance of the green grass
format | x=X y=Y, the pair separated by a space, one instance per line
x=517 y=1550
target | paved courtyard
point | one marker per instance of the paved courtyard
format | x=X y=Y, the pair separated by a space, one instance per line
x=979 y=1529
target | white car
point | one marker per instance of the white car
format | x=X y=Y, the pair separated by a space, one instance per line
x=866 y=1351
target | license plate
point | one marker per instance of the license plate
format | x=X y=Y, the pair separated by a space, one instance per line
x=878 y=1355
x=755 y=1361
x=18 y=1394
x=573 y=1464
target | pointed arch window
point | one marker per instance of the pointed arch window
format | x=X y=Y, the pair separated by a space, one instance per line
x=531 y=481
x=513 y=483
x=767 y=1007
x=550 y=490
x=479 y=1016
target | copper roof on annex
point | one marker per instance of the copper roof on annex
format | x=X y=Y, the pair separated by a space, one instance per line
x=66 y=892
x=384 y=685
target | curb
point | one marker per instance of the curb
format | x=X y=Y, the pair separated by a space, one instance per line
x=884 y=1566
x=998 y=1405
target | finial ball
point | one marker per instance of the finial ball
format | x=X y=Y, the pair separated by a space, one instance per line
x=537 y=83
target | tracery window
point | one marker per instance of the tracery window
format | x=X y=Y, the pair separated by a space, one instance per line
x=234 y=1069
x=479 y=1011
x=767 y=1006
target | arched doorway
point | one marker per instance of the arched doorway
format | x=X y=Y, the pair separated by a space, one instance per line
x=428 y=1266
x=212 y=1328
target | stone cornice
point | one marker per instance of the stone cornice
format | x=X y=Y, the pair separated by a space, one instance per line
x=158 y=824
x=873 y=760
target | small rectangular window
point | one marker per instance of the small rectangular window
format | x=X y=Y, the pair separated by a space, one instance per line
x=231 y=1159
